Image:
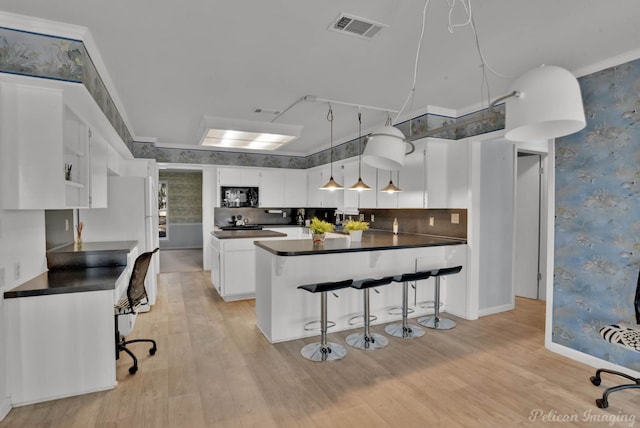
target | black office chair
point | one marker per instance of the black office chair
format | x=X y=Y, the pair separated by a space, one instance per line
x=136 y=297
x=625 y=335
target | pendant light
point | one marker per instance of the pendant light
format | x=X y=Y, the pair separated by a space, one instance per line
x=385 y=148
x=391 y=188
x=360 y=185
x=331 y=184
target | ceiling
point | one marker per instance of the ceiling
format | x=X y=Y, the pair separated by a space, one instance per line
x=172 y=63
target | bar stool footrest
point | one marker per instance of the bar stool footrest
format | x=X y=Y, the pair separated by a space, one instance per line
x=429 y=304
x=316 y=325
x=371 y=343
x=353 y=319
x=397 y=310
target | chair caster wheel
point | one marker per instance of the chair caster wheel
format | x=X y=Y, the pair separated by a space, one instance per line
x=595 y=380
x=133 y=370
x=601 y=403
x=152 y=351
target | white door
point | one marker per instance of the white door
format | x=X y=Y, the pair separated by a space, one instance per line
x=527 y=247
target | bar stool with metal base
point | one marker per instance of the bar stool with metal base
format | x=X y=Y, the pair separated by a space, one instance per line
x=404 y=329
x=368 y=340
x=323 y=350
x=435 y=321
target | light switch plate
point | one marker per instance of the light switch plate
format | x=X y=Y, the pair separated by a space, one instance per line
x=373 y=218
x=455 y=218
x=432 y=221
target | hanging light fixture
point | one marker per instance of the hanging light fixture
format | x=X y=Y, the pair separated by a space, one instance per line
x=385 y=148
x=391 y=188
x=360 y=185
x=331 y=184
x=543 y=103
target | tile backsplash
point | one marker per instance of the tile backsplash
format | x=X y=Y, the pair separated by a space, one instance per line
x=439 y=222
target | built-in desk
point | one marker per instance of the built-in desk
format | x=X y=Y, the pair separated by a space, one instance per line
x=60 y=325
x=281 y=266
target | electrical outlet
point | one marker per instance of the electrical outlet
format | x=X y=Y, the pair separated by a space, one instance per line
x=361 y=217
x=66 y=224
x=284 y=214
x=432 y=221
x=1 y=278
x=16 y=270
x=455 y=218
x=373 y=218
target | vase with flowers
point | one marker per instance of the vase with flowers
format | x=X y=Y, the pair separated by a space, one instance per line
x=318 y=229
x=355 y=229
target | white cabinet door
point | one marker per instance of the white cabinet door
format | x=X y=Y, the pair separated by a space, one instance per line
x=351 y=197
x=238 y=177
x=314 y=181
x=272 y=184
x=113 y=161
x=295 y=188
x=32 y=157
x=369 y=198
x=99 y=154
x=412 y=181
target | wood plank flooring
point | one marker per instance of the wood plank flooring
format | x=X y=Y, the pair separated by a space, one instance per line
x=215 y=369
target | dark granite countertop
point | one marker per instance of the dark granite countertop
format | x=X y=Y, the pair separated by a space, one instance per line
x=245 y=234
x=90 y=255
x=372 y=240
x=89 y=247
x=68 y=281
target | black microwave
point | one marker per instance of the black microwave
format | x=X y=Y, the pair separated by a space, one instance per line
x=237 y=196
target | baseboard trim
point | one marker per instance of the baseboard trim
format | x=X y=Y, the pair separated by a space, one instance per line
x=496 y=309
x=589 y=360
x=5 y=407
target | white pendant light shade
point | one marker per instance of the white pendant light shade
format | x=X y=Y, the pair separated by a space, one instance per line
x=548 y=104
x=385 y=149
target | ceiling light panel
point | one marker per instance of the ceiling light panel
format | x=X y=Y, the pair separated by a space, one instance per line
x=356 y=26
x=250 y=135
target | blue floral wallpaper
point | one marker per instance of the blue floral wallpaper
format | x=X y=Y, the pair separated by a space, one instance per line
x=58 y=58
x=597 y=227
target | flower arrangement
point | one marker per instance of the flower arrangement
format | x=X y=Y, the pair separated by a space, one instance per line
x=350 y=225
x=320 y=226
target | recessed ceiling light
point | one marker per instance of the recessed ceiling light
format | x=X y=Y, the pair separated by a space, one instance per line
x=245 y=134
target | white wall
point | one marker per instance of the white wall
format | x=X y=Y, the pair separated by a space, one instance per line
x=22 y=241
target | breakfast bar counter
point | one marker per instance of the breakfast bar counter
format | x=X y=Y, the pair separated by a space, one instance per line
x=283 y=265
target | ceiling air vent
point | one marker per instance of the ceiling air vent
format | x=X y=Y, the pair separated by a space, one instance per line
x=356 y=26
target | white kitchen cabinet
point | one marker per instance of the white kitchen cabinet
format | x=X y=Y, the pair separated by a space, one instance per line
x=238 y=177
x=369 y=198
x=295 y=188
x=114 y=163
x=99 y=161
x=318 y=177
x=412 y=181
x=272 y=188
x=47 y=162
x=351 y=198
x=32 y=156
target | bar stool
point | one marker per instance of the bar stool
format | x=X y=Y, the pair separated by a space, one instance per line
x=435 y=321
x=323 y=350
x=404 y=329
x=368 y=340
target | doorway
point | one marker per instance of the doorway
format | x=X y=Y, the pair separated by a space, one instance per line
x=527 y=270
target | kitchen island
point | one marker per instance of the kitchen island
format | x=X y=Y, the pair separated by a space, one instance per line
x=281 y=266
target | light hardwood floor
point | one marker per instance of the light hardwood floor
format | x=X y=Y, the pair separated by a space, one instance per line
x=214 y=369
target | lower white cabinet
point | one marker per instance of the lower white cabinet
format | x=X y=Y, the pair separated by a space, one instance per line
x=60 y=345
x=233 y=263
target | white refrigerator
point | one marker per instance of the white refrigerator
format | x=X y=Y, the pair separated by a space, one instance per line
x=132 y=214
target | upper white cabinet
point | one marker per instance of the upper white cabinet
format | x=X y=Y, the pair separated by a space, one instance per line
x=272 y=188
x=32 y=155
x=238 y=177
x=387 y=200
x=98 y=149
x=48 y=162
x=295 y=188
x=412 y=180
x=318 y=177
